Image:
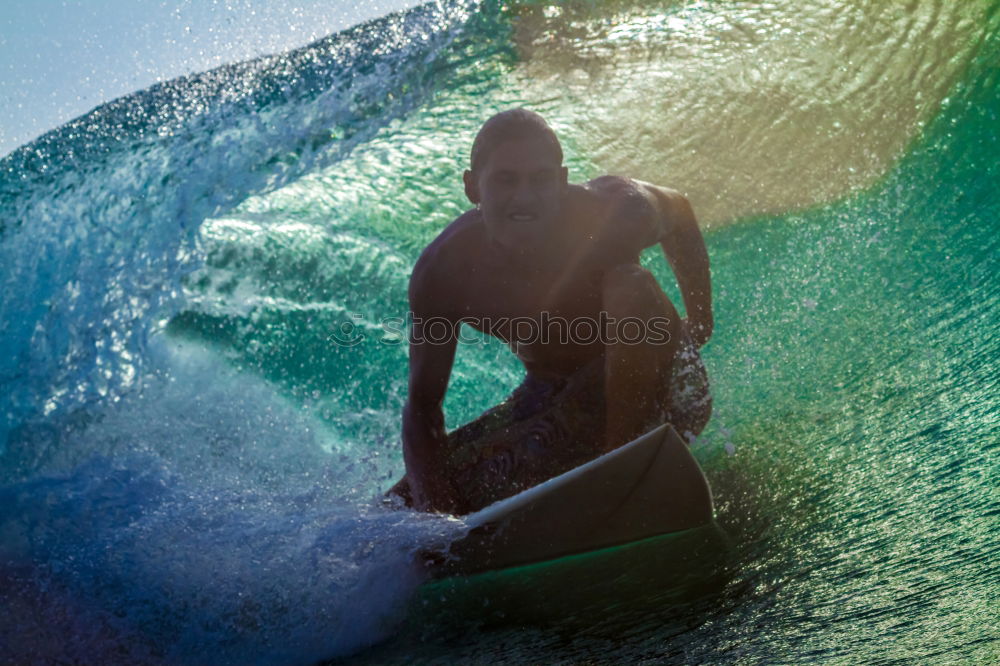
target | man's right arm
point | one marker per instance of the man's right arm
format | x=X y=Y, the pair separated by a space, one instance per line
x=432 y=352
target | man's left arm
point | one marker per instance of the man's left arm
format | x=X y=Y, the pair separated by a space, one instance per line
x=684 y=247
x=641 y=215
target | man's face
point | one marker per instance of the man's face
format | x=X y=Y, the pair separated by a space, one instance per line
x=520 y=191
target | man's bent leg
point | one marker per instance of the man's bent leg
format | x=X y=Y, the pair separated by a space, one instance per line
x=494 y=455
x=637 y=367
x=541 y=430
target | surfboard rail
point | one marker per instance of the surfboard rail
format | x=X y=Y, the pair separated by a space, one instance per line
x=650 y=486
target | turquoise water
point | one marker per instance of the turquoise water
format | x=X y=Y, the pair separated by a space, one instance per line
x=191 y=463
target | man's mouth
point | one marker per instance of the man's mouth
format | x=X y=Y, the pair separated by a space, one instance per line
x=521 y=217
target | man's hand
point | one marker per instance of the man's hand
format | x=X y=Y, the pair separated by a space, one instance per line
x=699 y=330
x=434 y=494
x=424 y=438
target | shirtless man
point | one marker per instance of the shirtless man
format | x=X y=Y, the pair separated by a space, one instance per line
x=552 y=269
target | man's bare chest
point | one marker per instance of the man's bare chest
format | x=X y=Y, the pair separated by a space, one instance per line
x=492 y=303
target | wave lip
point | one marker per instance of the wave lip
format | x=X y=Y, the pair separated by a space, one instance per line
x=100 y=217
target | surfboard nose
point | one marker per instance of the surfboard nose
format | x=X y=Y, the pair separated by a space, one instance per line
x=672 y=495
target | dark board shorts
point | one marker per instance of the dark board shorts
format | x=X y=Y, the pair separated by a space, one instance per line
x=545 y=428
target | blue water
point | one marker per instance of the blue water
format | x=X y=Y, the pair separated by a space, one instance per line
x=190 y=464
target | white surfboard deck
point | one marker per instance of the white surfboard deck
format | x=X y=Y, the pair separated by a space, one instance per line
x=650 y=486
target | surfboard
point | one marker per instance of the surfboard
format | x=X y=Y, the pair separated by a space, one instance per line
x=648 y=487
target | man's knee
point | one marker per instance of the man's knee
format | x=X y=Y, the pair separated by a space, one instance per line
x=629 y=290
x=625 y=276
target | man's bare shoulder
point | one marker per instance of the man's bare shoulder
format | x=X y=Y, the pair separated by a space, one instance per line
x=609 y=187
x=451 y=253
x=620 y=190
x=622 y=214
x=456 y=244
x=598 y=193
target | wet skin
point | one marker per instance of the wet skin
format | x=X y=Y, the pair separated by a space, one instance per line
x=536 y=244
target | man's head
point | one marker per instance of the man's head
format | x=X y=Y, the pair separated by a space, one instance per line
x=517 y=178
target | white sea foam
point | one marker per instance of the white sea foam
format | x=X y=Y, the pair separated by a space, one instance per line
x=204 y=520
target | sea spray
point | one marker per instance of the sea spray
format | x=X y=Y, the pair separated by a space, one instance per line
x=203 y=518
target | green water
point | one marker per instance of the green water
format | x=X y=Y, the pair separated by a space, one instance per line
x=190 y=460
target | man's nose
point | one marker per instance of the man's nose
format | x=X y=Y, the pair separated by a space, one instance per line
x=523 y=193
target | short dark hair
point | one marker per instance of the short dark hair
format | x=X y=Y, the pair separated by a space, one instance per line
x=507 y=125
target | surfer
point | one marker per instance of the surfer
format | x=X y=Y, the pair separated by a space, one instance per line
x=552 y=269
